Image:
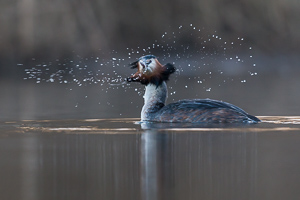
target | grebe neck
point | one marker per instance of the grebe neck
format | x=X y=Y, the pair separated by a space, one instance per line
x=154 y=99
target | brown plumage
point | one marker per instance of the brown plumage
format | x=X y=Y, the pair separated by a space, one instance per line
x=156 y=76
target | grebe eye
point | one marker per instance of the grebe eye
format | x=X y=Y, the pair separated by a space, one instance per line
x=148 y=61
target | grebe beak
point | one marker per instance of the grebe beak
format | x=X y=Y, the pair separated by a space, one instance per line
x=131 y=79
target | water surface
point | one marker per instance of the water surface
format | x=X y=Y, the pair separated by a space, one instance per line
x=123 y=159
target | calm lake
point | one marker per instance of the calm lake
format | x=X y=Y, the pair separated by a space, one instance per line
x=122 y=159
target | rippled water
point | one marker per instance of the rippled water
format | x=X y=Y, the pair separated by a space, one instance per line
x=123 y=159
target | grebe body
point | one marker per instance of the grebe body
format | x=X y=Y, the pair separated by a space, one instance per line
x=154 y=75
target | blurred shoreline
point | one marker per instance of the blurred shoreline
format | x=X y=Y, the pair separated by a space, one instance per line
x=41 y=30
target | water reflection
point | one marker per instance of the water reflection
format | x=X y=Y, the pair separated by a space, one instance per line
x=150 y=165
x=157 y=173
x=205 y=166
x=29 y=163
x=119 y=159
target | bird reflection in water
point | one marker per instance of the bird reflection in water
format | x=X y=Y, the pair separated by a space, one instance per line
x=156 y=172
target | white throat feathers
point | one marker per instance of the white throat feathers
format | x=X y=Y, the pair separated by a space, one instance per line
x=154 y=99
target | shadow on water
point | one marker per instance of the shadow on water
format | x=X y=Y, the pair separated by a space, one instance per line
x=122 y=159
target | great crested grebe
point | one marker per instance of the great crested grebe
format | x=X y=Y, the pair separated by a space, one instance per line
x=154 y=75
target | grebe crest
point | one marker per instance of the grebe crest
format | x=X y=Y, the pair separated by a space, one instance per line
x=154 y=75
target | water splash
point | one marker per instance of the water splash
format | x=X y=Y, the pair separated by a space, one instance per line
x=209 y=57
x=211 y=52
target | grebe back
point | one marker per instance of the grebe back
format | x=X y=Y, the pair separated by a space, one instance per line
x=154 y=75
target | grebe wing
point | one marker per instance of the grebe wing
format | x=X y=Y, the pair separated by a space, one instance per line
x=204 y=110
x=205 y=104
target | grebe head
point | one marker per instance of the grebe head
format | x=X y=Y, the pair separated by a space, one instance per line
x=150 y=71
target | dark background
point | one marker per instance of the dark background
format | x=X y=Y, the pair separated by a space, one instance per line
x=67 y=35
x=44 y=29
